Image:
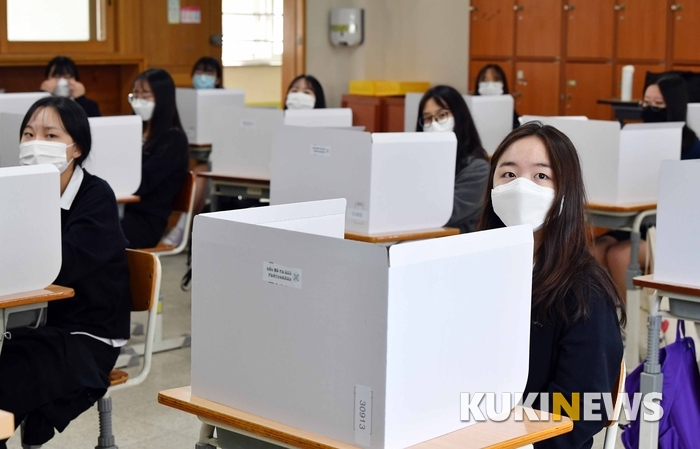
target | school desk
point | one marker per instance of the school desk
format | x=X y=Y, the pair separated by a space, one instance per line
x=29 y=307
x=493 y=435
x=229 y=186
x=628 y=218
x=7 y=425
x=394 y=237
x=624 y=110
x=685 y=305
x=126 y=199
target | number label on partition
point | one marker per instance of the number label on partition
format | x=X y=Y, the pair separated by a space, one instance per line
x=281 y=275
x=320 y=150
x=247 y=123
x=363 y=415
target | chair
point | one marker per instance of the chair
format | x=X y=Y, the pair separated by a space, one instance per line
x=145 y=273
x=611 y=426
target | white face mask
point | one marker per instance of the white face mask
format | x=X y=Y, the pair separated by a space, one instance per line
x=300 y=100
x=521 y=201
x=436 y=127
x=62 y=89
x=143 y=107
x=491 y=88
x=38 y=152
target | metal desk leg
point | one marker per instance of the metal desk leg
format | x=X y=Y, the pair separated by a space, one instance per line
x=651 y=379
x=206 y=438
x=214 y=196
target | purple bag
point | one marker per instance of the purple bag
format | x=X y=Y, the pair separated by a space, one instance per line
x=679 y=428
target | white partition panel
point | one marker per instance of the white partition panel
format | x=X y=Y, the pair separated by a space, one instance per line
x=30 y=230
x=693 y=118
x=326 y=118
x=10 y=124
x=242 y=141
x=393 y=182
x=197 y=107
x=410 y=111
x=116 y=152
x=299 y=328
x=677 y=257
x=19 y=103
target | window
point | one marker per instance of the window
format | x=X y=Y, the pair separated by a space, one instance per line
x=252 y=32
x=55 y=21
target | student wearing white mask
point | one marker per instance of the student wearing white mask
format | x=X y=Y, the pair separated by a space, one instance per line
x=443 y=109
x=62 y=80
x=575 y=335
x=207 y=74
x=165 y=159
x=491 y=80
x=305 y=92
x=51 y=374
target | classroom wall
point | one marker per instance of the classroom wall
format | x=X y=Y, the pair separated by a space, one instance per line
x=261 y=83
x=410 y=40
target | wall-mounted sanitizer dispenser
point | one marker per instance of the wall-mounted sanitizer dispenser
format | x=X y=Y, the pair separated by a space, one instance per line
x=347 y=26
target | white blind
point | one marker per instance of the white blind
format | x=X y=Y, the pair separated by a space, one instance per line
x=48 y=20
x=252 y=32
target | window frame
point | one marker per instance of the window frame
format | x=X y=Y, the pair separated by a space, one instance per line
x=266 y=62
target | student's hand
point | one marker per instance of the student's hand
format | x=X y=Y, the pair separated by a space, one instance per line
x=77 y=89
x=49 y=85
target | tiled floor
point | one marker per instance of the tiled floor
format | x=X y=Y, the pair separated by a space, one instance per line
x=139 y=421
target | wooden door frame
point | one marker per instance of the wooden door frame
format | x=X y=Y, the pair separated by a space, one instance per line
x=294 y=53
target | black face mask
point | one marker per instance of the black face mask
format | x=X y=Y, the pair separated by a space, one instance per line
x=657 y=115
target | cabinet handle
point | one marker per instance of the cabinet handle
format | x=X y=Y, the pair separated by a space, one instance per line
x=569 y=7
x=473 y=8
x=620 y=7
x=517 y=94
x=517 y=8
x=678 y=7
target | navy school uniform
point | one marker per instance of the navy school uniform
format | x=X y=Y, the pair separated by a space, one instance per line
x=89 y=106
x=164 y=168
x=50 y=375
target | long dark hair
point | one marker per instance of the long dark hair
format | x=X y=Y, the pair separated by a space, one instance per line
x=482 y=74
x=165 y=116
x=675 y=92
x=468 y=140
x=62 y=65
x=315 y=86
x=209 y=64
x=564 y=261
x=73 y=118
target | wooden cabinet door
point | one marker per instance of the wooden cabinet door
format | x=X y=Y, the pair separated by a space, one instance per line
x=537 y=88
x=585 y=84
x=589 y=28
x=538 y=28
x=641 y=29
x=393 y=115
x=476 y=66
x=366 y=111
x=686 y=22
x=640 y=74
x=491 y=28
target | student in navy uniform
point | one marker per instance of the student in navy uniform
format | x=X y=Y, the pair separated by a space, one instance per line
x=443 y=109
x=62 y=80
x=50 y=375
x=491 y=80
x=575 y=336
x=305 y=92
x=165 y=158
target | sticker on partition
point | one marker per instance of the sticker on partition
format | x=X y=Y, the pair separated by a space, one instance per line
x=248 y=123
x=358 y=213
x=363 y=415
x=281 y=275
x=320 y=150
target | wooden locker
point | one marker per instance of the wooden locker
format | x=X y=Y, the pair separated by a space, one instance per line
x=492 y=28
x=366 y=111
x=686 y=21
x=393 y=115
x=589 y=28
x=537 y=88
x=538 y=28
x=585 y=84
x=475 y=67
x=640 y=73
x=641 y=29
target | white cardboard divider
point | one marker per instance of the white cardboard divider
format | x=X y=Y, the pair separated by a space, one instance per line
x=116 y=152
x=196 y=108
x=677 y=257
x=621 y=166
x=492 y=114
x=19 y=103
x=393 y=182
x=326 y=118
x=529 y=118
x=30 y=230
x=693 y=117
x=242 y=141
x=10 y=124
x=299 y=328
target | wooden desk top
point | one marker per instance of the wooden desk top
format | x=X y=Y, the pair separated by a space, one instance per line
x=506 y=435
x=50 y=293
x=7 y=425
x=128 y=199
x=228 y=178
x=621 y=208
x=649 y=282
x=618 y=102
x=402 y=236
x=200 y=145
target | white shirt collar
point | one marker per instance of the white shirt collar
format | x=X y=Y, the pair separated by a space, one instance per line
x=72 y=188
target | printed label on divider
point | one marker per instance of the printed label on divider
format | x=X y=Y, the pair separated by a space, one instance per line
x=248 y=123
x=320 y=150
x=363 y=415
x=281 y=275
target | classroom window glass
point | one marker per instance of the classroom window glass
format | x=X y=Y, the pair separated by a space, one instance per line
x=48 y=21
x=252 y=32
